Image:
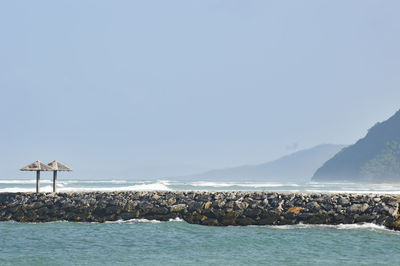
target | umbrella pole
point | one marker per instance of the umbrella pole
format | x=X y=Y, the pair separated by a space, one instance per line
x=37 y=181
x=54 y=180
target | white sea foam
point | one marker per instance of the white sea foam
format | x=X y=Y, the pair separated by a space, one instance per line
x=177 y=219
x=332 y=183
x=97 y=182
x=18 y=185
x=136 y=221
x=347 y=191
x=269 y=185
x=209 y=184
x=133 y=221
x=364 y=226
x=360 y=226
x=67 y=182
x=17 y=181
x=158 y=186
x=236 y=184
x=25 y=189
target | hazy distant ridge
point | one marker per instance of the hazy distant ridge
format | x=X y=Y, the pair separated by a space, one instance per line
x=298 y=166
x=374 y=158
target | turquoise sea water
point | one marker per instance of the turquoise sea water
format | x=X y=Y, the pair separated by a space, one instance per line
x=140 y=242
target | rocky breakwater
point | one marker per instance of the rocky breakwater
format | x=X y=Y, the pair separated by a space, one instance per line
x=206 y=208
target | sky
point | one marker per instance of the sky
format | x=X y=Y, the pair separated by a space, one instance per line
x=151 y=89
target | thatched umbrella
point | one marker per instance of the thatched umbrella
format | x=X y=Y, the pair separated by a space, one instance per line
x=37 y=166
x=57 y=166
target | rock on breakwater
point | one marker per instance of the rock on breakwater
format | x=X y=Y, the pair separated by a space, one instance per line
x=206 y=208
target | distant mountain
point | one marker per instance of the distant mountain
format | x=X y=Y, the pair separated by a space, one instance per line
x=298 y=166
x=375 y=158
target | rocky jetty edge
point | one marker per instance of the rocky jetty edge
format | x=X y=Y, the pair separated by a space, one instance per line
x=205 y=208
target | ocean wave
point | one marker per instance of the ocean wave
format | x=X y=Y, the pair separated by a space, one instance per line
x=18 y=181
x=236 y=184
x=209 y=184
x=26 y=189
x=144 y=187
x=98 y=182
x=67 y=182
x=348 y=191
x=158 y=186
x=350 y=227
x=331 y=183
x=363 y=226
x=270 y=185
x=18 y=185
x=133 y=221
x=136 y=221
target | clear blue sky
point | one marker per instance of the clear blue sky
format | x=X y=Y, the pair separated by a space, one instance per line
x=137 y=89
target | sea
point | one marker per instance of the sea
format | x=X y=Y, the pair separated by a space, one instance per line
x=175 y=242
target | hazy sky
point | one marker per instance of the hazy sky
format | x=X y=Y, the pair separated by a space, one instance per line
x=157 y=88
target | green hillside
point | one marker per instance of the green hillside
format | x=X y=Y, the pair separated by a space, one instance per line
x=374 y=158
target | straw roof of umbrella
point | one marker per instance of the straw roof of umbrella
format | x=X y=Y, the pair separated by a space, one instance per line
x=57 y=166
x=37 y=166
